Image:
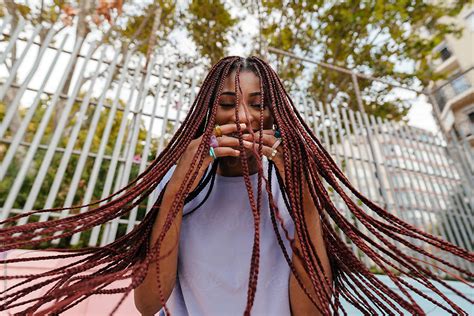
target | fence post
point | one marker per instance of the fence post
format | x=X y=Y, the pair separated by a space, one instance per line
x=370 y=137
x=453 y=151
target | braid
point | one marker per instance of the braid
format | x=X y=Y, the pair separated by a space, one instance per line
x=307 y=162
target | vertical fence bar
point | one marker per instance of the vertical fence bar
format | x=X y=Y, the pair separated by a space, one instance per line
x=88 y=142
x=109 y=235
x=359 y=138
x=154 y=195
x=111 y=228
x=53 y=144
x=6 y=21
x=394 y=164
x=353 y=140
x=13 y=148
x=19 y=179
x=369 y=134
x=337 y=158
x=429 y=181
x=13 y=38
x=167 y=108
x=180 y=104
x=340 y=144
x=18 y=62
x=132 y=220
x=91 y=185
x=315 y=119
x=105 y=138
x=73 y=136
x=323 y=127
x=393 y=207
x=13 y=107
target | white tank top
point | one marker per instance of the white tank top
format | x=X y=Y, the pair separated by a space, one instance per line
x=215 y=249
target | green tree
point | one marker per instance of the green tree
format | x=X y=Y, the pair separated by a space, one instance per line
x=210 y=26
x=372 y=36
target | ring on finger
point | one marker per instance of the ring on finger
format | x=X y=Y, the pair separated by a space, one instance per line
x=212 y=153
x=277 y=143
x=218 y=131
x=213 y=141
x=273 y=154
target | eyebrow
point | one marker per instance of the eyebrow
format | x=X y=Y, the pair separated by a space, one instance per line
x=251 y=94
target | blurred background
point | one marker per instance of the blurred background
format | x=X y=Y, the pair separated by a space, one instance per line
x=92 y=91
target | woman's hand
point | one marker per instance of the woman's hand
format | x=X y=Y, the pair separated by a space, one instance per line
x=268 y=140
x=226 y=148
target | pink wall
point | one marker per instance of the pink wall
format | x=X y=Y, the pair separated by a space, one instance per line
x=95 y=305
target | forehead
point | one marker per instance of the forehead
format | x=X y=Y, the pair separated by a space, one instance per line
x=249 y=82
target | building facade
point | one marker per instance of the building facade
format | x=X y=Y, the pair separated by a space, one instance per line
x=455 y=95
x=409 y=173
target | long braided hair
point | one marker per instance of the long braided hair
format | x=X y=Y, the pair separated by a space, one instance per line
x=129 y=256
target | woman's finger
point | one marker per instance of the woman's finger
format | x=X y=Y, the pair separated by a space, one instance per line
x=231 y=128
x=226 y=152
x=228 y=141
x=267 y=139
x=266 y=150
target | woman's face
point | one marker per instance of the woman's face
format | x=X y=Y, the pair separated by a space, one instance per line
x=249 y=98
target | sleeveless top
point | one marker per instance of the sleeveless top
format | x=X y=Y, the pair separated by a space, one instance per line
x=215 y=250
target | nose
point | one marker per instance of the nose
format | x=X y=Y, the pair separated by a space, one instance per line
x=245 y=115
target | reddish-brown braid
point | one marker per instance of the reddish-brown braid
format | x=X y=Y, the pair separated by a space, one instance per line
x=448 y=246
x=130 y=256
x=299 y=218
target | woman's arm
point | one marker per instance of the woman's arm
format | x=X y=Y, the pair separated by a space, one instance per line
x=146 y=295
x=299 y=302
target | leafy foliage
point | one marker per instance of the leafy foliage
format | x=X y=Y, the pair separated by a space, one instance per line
x=386 y=39
x=209 y=24
x=65 y=186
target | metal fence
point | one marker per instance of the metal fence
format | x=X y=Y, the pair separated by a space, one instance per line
x=78 y=122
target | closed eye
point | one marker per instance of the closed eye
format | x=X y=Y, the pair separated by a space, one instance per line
x=232 y=105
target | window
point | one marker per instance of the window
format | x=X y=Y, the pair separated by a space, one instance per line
x=460 y=84
x=440 y=99
x=445 y=53
x=469 y=124
x=471 y=117
x=470 y=21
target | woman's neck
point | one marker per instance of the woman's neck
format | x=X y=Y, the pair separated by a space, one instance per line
x=232 y=167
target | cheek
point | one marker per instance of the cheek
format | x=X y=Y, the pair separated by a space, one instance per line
x=221 y=116
x=267 y=120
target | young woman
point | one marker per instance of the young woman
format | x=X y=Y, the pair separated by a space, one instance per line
x=242 y=223
x=215 y=242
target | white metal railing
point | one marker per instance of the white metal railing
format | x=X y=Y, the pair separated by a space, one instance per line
x=92 y=139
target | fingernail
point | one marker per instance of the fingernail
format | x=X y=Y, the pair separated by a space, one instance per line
x=247 y=143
